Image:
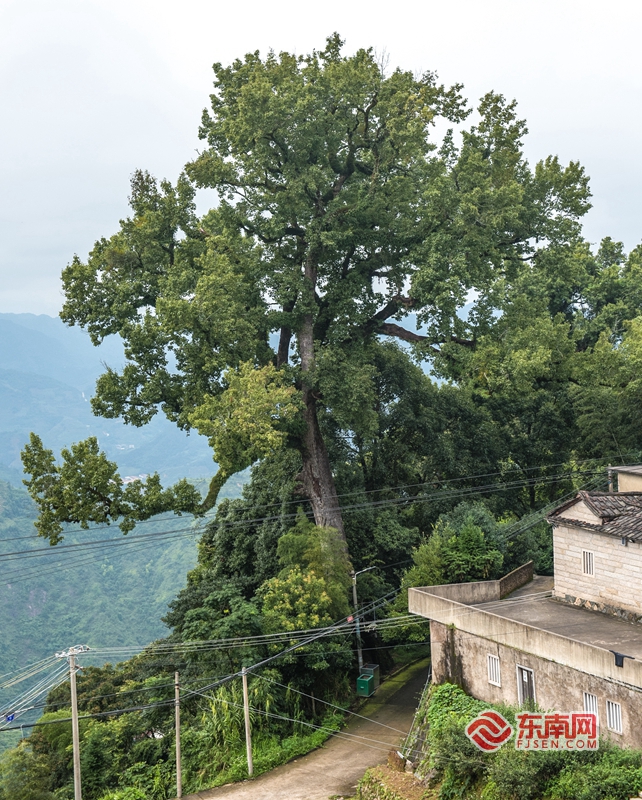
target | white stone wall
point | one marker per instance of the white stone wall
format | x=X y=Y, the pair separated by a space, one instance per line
x=582 y=512
x=617 y=579
x=629 y=482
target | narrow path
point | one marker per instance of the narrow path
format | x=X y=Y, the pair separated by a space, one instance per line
x=335 y=768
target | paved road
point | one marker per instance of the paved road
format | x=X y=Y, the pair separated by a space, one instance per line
x=335 y=768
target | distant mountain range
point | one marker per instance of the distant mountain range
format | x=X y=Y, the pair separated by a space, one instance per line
x=47 y=375
x=113 y=594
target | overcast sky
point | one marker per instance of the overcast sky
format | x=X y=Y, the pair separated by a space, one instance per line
x=93 y=89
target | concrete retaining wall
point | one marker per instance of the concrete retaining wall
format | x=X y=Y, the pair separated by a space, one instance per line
x=484 y=591
x=516 y=579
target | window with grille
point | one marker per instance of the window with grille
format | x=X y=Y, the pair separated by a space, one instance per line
x=588 y=567
x=494 y=675
x=590 y=703
x=614 y=716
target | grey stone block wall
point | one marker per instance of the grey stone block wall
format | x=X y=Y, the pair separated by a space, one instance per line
x=617 y=579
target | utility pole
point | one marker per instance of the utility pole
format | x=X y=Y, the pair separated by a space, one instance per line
x=70 y=655
x=248 y=732
x=75 y=734
x=356 y=614
x=177 y=705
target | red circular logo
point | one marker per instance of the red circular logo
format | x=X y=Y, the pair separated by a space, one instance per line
x=489 y=731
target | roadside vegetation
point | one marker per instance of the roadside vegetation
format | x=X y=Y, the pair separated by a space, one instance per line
x=450 y=767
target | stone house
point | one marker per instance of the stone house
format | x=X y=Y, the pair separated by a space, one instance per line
x=568 y=643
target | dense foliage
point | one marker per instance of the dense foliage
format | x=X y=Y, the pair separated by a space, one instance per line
x=462 y=770
x=338 y=212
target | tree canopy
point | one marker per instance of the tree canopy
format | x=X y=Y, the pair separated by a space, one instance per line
x=340 y=217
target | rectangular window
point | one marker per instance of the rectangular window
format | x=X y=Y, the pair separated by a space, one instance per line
x=494 y=675
x=525 y=686
x=588 y=567
x=590 y=704
x=614 y=716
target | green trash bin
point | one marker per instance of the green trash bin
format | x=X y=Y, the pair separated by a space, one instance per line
x=371 y=669
x=365 y=685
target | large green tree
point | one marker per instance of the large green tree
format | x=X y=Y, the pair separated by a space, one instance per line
x=338 y=218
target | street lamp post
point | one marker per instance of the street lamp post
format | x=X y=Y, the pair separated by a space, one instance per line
x=356 y=614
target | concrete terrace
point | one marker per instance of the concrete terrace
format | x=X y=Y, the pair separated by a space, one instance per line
x=554 y=616
x=533 y=622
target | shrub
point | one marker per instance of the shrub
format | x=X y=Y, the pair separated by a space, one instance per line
x=614 y=774
x=451 y=753
x=509 y=774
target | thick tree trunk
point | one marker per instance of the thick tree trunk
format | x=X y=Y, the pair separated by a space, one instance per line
x=316 y=475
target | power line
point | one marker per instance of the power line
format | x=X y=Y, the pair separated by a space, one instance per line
x=64 y=563
x=254 y=641
x=111 y=713
x=331 y=731
x=325 y=702
x=283 y=636
x=142 y=540
x=360 y=492
x=318 y=634
x=165 y=535
x=343 y=626
x=339 y=627
x=24 y=702
x=27 y=671
x=94 y=698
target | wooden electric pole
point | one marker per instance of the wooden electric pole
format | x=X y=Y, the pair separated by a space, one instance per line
x=70 y=655
x=248 y=732
x=177 y=704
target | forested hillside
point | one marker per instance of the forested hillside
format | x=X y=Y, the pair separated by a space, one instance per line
x=104 y=596
x=97 y=596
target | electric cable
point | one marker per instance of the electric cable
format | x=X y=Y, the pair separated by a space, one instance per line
x=325 y=702
x=510 y=533
x=345 y=629
x=118 y=541
x=25 y=701
x=331 y=731
x=63 y=564
x=93 y=698
x=485 y=488
x=373 y=491
x=26 y=672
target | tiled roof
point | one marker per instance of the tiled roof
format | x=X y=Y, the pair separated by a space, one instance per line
x=620 y=513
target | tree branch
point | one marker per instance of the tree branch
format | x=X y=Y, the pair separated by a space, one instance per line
x=390 y=329
x=463 y=342
x=393 y=306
